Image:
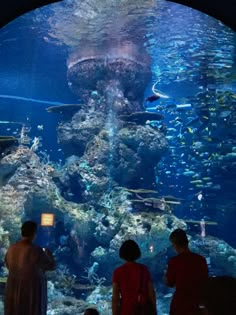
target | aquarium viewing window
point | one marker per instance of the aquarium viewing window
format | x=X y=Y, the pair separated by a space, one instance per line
x=118 y=121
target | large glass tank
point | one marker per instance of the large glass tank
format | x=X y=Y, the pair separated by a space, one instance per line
x=118 y=118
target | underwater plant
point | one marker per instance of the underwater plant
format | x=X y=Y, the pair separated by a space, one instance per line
x=92 y=276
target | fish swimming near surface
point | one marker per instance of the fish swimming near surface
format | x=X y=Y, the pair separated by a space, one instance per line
x=156 y=94
x=152 y=98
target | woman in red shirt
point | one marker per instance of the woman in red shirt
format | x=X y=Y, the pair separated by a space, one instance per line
x=130 y=282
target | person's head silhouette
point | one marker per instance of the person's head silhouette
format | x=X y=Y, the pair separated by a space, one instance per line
x=29 y=230
x=91 y=311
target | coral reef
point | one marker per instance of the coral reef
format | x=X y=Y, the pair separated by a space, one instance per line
x=75 y=134
x=222 y=256
x=110 y=154
x=66 y=305
x=26 y=188
x=4 y=240
x=150 y=230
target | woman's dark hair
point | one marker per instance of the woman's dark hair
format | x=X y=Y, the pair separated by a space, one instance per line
x=28 y=229
x=179 y=237
x=91 y=311
x=130 y=251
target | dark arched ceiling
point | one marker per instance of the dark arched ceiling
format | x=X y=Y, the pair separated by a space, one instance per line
x=224 y=10
x=10 y=9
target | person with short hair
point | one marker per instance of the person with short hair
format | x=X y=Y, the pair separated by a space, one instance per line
x=91 y=311
x=131 y=282
x=186 y=272
x=26 y=287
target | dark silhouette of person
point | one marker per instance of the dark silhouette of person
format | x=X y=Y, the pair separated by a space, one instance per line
x=26 y=287
x=186 y=272
x=91 y=311
x=219 y=295
x=128 y=279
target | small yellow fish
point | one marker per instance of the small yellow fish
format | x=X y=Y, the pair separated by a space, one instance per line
x=214 y=156
x=208 y=139
x=197 y=181
x=190 y=130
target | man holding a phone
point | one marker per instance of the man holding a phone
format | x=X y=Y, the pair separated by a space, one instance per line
x=26 y=287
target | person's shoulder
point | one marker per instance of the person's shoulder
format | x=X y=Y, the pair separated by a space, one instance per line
x=143 y=266
x=35 y=249
x=173 y=259
x=11 y=248
x=146 y=271
x=14 y=245
x=198 y=257
x=118 y=273
x=118 y=269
